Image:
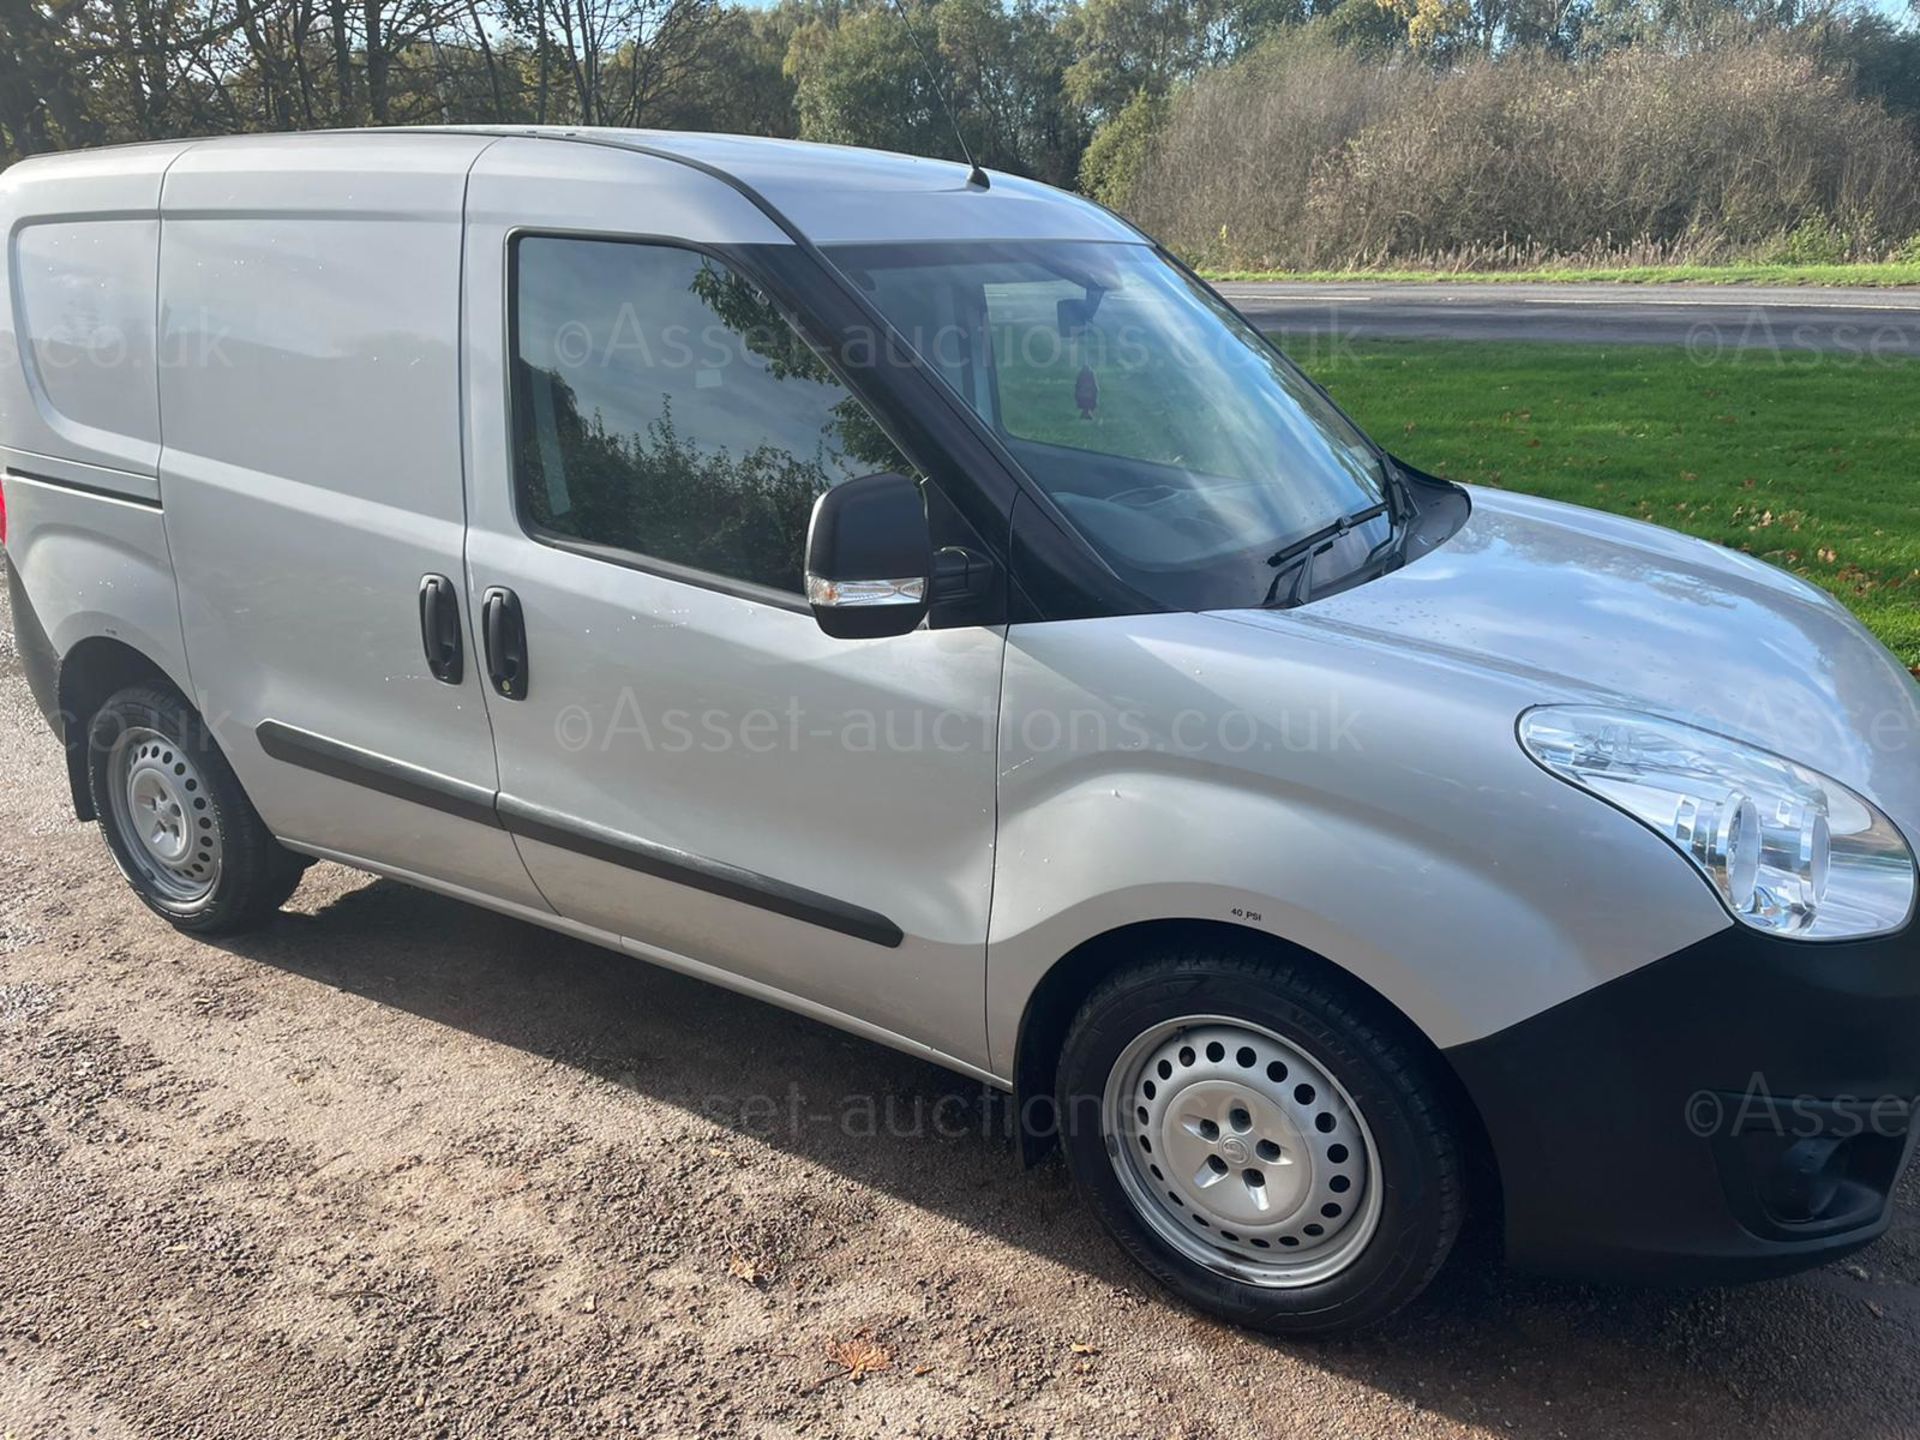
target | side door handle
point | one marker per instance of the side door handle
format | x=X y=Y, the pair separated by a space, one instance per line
x=440 y=629
x=506 y=636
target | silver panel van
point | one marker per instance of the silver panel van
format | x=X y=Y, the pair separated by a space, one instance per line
x=909 y=596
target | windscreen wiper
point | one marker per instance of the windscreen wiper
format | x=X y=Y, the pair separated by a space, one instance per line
x=1299 y=554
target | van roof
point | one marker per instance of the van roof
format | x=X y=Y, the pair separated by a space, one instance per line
x=840 y=193
x=830 y=193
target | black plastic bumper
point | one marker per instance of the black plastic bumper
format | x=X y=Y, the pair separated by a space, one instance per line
x=1740 y=1109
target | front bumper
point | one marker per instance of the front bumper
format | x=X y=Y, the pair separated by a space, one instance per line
x=1740 y=1109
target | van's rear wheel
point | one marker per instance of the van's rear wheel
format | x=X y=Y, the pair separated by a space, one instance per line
x=176 y=820
x=1266 y=1144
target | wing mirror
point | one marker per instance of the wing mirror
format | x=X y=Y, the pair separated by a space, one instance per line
x=869 y=558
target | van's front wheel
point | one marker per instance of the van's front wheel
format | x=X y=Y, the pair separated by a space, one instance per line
x=1263 y=1142
x=176 y=820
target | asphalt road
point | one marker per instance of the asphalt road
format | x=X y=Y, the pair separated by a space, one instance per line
x=1708 y=319
x=395 y=1167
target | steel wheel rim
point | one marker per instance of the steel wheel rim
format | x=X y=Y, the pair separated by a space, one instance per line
x=1197 y=1106
x=163 y=816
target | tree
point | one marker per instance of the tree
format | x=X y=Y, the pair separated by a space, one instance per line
x=42 y=86
x=1124 y=47
x=613 y=62
x=1882 y=57
x=860 y=79
x=1443 y=26
x=1005 y=73
x=1121 y=148
x=742 y=86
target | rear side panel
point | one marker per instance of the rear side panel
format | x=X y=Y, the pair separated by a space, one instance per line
x=79 y=409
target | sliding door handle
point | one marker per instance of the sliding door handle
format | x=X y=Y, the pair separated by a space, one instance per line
x=506 y=636
x=440 y=629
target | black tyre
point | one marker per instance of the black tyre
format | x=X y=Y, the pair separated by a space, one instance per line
x=180 y=827
x=1267 y=1142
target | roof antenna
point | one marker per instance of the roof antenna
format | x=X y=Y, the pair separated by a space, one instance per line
x=975 y=175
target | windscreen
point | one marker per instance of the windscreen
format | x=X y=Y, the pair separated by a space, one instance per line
x=1186 y=449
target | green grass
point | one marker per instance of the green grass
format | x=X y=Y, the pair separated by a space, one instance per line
x=1810 y=462
x=1146 y=398
x=1139 y=409
x=1891 y=272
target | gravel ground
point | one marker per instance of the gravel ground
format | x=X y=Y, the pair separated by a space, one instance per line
x=399 y=1167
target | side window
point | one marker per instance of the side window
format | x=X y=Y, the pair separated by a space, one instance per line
x=662 y=406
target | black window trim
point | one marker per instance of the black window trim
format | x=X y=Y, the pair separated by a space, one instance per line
x=619 y=555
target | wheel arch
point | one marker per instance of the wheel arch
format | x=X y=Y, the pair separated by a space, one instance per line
x=91 y=672
x=1057 y=998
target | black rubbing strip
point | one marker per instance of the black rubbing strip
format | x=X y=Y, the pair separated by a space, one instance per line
x=474 y=802
x=697 y=873
x=459 y=798
x=79 y=487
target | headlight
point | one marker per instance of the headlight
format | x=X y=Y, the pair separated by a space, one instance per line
x=1790 y=851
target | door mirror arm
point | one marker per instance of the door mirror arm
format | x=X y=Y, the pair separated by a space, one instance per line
x=960 y=577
